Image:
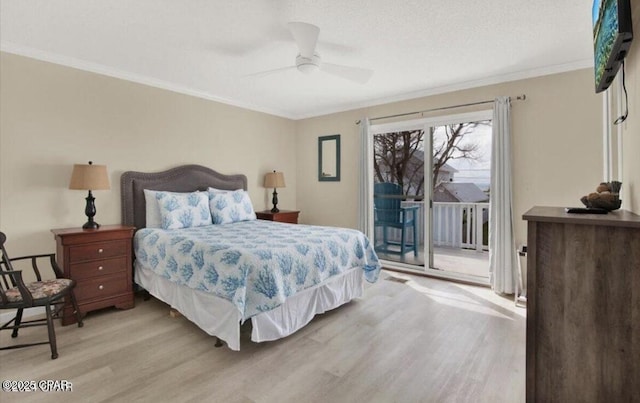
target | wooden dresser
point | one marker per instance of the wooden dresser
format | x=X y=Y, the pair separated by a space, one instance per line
x=100 y=262
x=583 y=306
x=282 y=216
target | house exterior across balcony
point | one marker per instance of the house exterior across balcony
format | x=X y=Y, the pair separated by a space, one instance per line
x=459 y=192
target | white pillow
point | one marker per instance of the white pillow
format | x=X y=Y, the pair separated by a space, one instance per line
x=214 y=190
x=183 y=210
x=233 y=206
x=152 y=209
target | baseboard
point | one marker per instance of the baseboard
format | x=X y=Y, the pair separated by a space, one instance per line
x=28 y=313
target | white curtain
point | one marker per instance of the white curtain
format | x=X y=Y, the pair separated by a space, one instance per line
x=365 y=188
x=502 y=250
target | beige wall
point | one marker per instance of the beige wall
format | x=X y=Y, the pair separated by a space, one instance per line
x=631 y=127
x=556 y=140
x=53 y=116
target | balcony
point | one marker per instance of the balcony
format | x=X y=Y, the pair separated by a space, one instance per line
x=460 y=225
x=460 y=234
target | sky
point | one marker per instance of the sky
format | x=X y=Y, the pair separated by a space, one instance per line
x=476 y=171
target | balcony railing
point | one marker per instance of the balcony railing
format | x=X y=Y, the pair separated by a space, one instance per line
x=455 y=225
x=461 y=225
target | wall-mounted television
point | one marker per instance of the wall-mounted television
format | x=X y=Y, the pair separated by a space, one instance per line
x=612 y=35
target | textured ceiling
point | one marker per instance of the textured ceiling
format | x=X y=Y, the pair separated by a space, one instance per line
x=212 y=48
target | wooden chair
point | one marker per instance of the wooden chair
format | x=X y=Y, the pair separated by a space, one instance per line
x=389 y=213
x=15 y=294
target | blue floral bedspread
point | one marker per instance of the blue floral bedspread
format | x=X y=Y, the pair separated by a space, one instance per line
x=254 y=264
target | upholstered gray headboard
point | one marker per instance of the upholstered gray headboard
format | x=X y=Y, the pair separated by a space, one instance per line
x=186 y=178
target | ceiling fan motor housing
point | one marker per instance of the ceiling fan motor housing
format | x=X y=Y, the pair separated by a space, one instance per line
x=308 y=64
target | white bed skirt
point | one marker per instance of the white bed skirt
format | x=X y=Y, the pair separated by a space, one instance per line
x=219 y=317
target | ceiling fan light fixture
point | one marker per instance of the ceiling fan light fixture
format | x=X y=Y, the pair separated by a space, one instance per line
x=307 y=68
x=308 y=61
x=308 y=65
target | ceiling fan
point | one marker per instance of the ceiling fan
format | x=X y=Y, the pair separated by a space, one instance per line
x=309 y=61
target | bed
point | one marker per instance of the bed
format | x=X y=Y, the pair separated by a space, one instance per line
x=278 y=276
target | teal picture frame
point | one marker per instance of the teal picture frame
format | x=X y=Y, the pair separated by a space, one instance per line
x=329 y=158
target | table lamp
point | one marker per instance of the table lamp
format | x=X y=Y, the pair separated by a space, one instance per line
x=274 y=180
x=89 y=177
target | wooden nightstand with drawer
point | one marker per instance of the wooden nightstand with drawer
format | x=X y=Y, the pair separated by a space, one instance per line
x=99 y=261
x=282 y=216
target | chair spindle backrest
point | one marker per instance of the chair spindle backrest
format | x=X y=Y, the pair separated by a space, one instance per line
x=387 y=200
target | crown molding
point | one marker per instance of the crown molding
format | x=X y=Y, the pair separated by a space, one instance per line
x=97 y=68
x=499 y=79
x=153 y=82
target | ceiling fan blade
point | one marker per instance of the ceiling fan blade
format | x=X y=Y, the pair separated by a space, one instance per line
x=355 y=74
x=306 y=36
x=272 y=71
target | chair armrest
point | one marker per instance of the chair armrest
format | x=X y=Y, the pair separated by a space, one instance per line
x=17 y=281
x=34 y=264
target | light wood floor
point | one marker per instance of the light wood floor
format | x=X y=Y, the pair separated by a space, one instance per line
x=425 y=340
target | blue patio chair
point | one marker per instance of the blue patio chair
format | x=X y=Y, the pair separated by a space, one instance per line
x=389 y=213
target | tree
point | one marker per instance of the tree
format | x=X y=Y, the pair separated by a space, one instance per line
x=399 y=156
x=451 y=146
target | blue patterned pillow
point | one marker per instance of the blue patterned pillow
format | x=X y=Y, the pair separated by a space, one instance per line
x=152 y=209
x=231 y=207
x=183 y=210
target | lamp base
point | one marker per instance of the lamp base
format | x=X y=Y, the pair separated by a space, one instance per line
x=91 y=225
x=90 y=211
x=274 y=200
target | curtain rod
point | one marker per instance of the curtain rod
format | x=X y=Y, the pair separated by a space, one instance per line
x=521 y=97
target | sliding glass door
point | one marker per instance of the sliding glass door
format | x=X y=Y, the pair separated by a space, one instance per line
x=398 y=199
x=460 y=194
x=431 y=194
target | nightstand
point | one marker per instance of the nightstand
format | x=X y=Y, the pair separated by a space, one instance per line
x=99 y=260
x=288 y=216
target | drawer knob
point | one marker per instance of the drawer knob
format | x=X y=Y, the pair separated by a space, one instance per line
x=100 y=267
x=100 y=287
x=100 y=250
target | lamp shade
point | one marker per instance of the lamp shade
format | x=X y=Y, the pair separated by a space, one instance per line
x=274 y=180
x=89 y=177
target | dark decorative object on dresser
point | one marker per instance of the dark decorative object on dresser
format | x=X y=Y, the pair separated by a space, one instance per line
x=99 y=260
x=583 y=306
x=288 y=216
x=606 y=197
x=89 y=177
